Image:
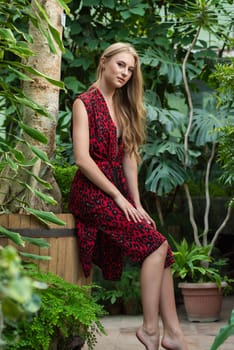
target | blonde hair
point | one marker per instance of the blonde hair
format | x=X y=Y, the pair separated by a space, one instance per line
x=128 y=101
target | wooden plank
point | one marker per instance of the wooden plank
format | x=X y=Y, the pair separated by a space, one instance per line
x=53 y=254
x=44 y=264
x=32 y=249
x=4 y=220
x=36 y=223
x=61 y=250
x=14 y=221
x=74 y=249
x=70 y=255
x=24 y=221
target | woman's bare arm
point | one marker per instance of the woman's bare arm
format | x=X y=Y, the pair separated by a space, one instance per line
x=81 y=151
x=131 y=173
x=87 y=165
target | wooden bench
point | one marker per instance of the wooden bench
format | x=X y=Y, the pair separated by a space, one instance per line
x=63 y=248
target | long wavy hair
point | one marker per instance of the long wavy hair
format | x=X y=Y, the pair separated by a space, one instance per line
x=128 y=101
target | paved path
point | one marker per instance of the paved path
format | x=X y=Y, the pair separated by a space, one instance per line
x=121 y=331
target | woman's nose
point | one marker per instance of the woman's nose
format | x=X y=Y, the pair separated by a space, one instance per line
x=125 y=72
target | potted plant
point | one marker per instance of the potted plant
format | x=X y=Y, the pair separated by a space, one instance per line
x=200 y=280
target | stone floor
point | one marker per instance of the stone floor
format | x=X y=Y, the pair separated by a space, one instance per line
x=121 y=331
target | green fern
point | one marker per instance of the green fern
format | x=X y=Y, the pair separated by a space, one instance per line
x=66 y=310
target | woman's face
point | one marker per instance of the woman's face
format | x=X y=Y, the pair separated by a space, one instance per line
x=118 y=69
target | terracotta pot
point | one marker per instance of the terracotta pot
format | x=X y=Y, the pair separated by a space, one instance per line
x=202 y=301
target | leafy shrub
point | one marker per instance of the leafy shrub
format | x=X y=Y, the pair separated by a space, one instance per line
x=67 y=311
x=18 y=298
x=126 y=291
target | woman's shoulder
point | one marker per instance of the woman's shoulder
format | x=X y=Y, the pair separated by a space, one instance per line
x=89 y=95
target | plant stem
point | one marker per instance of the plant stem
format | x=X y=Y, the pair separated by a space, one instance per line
x=191 y=215
x=159 y=210
x=189 y=97
x=214 y=239
x=207 y=194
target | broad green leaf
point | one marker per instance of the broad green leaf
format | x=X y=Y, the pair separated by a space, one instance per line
x=46 y=217
x=41 y=154
x=34 y=71
x=225 y=332
x=36 y=256
x=28 y=162
x=91 y=3
x=109 y=3
x=20 y=289
x=176 y=101
x=125 y=14
x=72 y=83
x=56 y=37
x=138 y=10
x=40 y=180
x=46 y=198
x=34 y=304
x=14 y=236
x=6 y=34
x=40 y=242
x=24 y=101
x=11 y=309
x=18 y=155
x=41 y=13
x=163 y=176
x=12 y=164
x=20 y=75
x=63 y=4
x=35 y=134
x=20 y=49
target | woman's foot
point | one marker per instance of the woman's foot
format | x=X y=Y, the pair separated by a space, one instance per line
x=149 y=340
x=174 y=341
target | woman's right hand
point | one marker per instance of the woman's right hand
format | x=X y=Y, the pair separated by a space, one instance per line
x=129 y=210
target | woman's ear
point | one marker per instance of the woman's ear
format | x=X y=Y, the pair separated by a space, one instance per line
x=103 y=61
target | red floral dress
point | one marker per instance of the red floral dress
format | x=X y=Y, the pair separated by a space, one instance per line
x=105 y=236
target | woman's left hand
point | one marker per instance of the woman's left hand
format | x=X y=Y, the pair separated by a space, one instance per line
x=146 y=216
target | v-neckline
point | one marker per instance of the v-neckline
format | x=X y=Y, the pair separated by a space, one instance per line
x=117 y=131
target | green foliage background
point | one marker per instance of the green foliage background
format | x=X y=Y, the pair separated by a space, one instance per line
x=161 y=32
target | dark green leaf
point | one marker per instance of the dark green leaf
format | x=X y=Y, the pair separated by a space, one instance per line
x=35 y=134
x=14 y=236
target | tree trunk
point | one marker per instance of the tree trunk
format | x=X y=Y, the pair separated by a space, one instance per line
x=47 y=95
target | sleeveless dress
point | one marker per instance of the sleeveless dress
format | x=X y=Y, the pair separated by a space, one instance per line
x=104 y=234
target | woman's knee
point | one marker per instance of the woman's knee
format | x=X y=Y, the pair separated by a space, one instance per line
x=161 y=252
x=164 y=246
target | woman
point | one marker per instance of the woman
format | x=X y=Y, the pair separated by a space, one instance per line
x=108 y=127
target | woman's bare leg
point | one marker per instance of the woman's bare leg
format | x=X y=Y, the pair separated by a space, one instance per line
x=173 y=338
x=151 y=278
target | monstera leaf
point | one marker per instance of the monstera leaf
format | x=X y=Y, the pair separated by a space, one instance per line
x=163 y=176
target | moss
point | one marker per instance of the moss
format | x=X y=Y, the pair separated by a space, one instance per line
x=64 y=175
